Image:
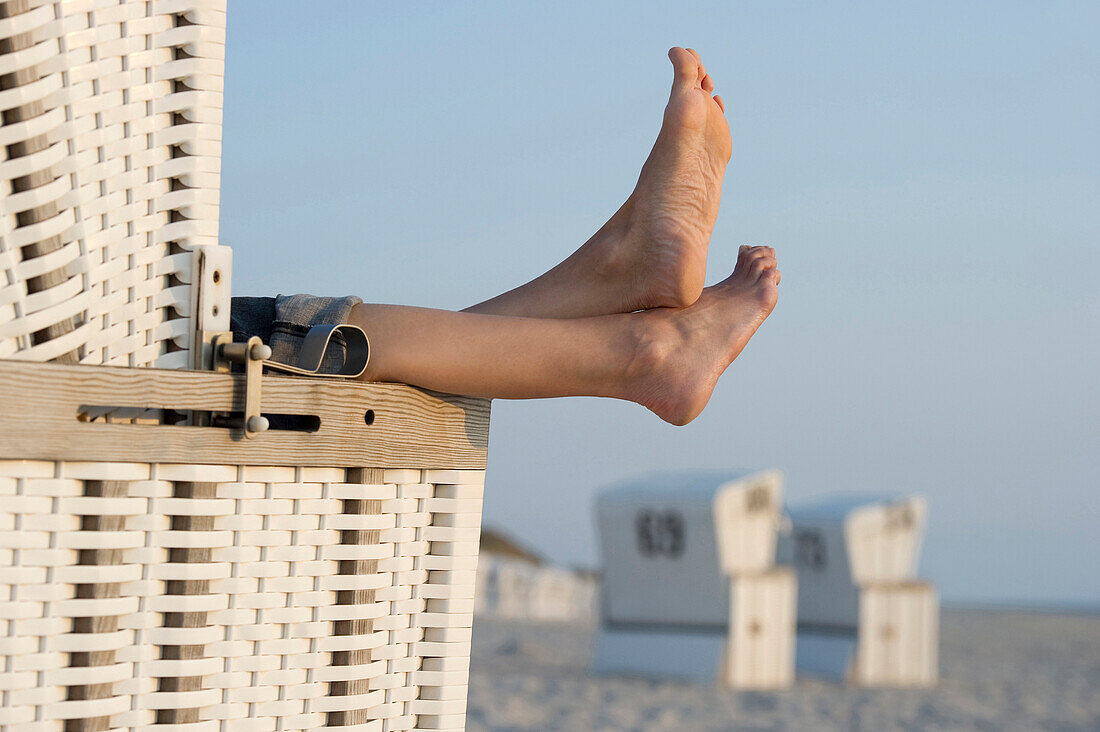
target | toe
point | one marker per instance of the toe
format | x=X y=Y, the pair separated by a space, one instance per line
x=747 y=256
x=708 y=84
x=742 y=257
x=721 y=104
x=701 y=70
x=760 y=257
x=685 y=66
x=762 y=266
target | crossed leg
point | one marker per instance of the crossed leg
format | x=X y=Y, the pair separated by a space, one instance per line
x=573 y=331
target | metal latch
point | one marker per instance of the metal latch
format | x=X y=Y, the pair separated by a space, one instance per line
x=255 y=356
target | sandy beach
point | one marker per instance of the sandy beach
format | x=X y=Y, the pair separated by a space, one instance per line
x=999 y=671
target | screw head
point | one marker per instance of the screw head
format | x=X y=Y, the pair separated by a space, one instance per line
x=258 y=423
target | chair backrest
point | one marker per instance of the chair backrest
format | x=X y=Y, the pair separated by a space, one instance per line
x=109 y=180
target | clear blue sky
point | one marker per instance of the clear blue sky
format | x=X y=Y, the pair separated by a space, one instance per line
x=929 y=174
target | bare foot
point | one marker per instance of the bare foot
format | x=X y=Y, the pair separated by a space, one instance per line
x=653 y=251
x=668 y=219
x=682 y=352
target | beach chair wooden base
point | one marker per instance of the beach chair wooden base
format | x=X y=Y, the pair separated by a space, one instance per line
x=180 y=575
x=760 y=654
x=898 y=635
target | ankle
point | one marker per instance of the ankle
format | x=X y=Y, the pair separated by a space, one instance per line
x=651 y=346
x=667 y=372
x=607 y=263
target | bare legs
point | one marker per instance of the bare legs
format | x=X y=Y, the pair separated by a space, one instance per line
x=572 y=331
x=667 y=359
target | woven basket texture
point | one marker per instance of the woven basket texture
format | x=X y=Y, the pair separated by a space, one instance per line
x=220 y=597
x=110 y=167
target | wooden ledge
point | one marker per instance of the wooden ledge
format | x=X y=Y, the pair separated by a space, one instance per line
x=360 y=424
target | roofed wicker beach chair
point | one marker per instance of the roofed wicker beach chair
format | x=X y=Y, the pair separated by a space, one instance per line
x=171 y=554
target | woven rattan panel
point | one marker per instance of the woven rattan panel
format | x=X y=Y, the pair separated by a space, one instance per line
x=215 y=597
x=109 y=178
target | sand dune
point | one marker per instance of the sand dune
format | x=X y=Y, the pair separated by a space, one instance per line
x=1000 y=671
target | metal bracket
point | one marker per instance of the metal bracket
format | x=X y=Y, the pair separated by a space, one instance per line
x=252 y=355
x=212 y=270
x=255 y=356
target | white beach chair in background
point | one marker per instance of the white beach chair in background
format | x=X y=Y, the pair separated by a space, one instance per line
x=690 y=587
x=863 y=615
x=165 y=559
x=513 y=589
x=515 y=583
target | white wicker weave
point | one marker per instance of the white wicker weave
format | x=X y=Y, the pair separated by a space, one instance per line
x=111 y=144
x=235 y=597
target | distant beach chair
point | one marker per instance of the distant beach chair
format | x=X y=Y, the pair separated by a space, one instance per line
x=690 y=587
x=863 y=616
x=169 y=557
x=513 y=588
x=560 y=595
